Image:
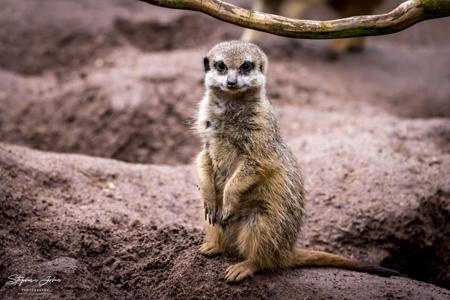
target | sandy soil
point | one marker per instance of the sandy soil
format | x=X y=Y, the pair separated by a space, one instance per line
x=121 y=79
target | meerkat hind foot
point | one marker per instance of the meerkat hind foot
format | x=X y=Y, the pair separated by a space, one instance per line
x=209 y=249
x=239 y=271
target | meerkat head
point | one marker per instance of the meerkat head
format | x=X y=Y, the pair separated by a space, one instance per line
x=234 y=67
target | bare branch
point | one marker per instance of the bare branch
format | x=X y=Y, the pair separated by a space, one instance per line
x=402 y=17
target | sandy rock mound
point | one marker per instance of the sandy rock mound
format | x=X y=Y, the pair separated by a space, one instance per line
x=112 y=229
x=381 y=194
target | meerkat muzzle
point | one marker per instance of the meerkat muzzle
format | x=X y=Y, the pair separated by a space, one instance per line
x=231 y=84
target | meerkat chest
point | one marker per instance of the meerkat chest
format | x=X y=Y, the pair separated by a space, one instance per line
x=227 y=134
x=223 y=151
x=213 y=125
x=223 y=155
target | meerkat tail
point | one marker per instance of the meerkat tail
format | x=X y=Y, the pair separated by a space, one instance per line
x=312 y=258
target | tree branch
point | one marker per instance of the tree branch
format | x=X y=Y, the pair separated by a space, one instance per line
x=405 y=15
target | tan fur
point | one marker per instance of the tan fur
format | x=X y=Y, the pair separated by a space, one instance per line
x=250 y=183
x=297 y=8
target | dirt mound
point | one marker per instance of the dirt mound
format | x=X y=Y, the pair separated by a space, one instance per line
x=141 y=262
x=137 y=108
x=32 y=53
x=382 y=194
x=424 y=254
x=90 y=121
x=184 y=32
x=108 y=245
x=63 y=44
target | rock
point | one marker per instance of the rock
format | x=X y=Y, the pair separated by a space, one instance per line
x=159 y=258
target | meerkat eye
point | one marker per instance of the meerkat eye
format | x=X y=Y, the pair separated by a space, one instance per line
x=220 y=66
x=247 y=66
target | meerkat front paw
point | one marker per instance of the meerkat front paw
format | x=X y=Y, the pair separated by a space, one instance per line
x=209 y=249
x=240 y=271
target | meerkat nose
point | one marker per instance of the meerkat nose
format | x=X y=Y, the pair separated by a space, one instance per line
x=231 y=82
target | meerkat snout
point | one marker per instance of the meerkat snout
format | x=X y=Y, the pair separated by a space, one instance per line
x=234 y=67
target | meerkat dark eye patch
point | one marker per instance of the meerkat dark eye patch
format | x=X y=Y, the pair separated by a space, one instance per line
x=206 y=64
x=247 y=66
x=220 y=66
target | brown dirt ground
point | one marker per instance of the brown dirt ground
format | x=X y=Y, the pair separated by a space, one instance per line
x=121 y=79
x=113 y=230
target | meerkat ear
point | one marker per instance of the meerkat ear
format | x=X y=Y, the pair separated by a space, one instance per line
x=206 y=64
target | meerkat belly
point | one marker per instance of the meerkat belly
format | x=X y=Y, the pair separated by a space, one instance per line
x=273 y=198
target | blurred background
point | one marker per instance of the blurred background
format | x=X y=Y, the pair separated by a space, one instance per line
x=121 y=79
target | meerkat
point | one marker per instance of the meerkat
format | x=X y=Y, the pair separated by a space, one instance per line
x=297 y=8
x=249 y=180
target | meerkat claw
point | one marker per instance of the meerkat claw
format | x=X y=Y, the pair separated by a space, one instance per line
x=211 y=215
x=226 y=217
